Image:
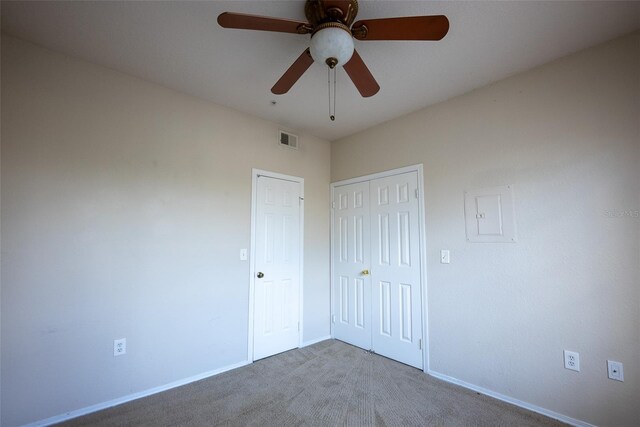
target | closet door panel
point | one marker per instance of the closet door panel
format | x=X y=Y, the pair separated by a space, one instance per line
x=395 y=269
x=351 y=262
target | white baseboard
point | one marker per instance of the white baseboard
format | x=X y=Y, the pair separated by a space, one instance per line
x=317 y=340
x=120 y=400
x=520 y=403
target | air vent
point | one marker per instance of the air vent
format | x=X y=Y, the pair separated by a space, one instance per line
x=288 y=140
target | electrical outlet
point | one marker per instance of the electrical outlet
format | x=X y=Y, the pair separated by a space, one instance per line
x=572 y=360
x=615 y=370
x=120 y=347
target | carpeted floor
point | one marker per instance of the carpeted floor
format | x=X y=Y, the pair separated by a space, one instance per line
x=326 y=384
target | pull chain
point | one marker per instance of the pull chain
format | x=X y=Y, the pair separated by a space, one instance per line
x=332 y=116
x=335 y=80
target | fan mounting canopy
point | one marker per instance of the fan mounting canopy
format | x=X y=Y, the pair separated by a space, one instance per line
x=318 y=11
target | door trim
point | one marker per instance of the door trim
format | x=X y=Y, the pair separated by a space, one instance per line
x=422 y=243
x=255 y=173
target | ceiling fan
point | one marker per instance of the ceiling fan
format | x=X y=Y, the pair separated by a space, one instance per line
x=330 y=23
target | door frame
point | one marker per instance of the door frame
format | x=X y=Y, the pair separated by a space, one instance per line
x=255 y=173
x=421 y=241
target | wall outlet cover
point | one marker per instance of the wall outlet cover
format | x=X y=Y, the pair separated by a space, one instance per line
x=120 y=347
x=615 y=370
x=572 y=360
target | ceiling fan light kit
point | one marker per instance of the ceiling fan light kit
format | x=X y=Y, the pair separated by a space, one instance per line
x=330 y=23
x=332 y=44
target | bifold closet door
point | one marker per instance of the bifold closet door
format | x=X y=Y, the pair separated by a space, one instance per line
x=376 y=267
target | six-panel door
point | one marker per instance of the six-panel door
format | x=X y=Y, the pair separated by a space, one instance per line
x=395 y=269
x=351 y=249
x=277 y=267
x=376 y=267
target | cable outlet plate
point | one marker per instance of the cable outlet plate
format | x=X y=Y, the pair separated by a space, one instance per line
x=572 y=360
x=615 y=370
x=120 y=347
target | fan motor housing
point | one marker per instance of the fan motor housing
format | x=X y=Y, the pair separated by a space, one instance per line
x=321 y=11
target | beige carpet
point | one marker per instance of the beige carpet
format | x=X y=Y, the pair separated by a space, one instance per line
x=326 y=384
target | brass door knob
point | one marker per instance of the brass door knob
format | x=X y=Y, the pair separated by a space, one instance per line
x=365 y=272
x=260 y=274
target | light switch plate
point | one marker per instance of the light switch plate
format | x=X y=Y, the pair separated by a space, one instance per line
x=445 y=256
x=243 y=254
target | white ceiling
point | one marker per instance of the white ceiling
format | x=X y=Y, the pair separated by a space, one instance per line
x=179 y=44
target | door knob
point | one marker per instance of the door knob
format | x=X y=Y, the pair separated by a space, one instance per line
x=260 y=274
x=365 y=272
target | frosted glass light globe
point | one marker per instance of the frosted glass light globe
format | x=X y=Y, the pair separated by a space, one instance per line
x=332 y=42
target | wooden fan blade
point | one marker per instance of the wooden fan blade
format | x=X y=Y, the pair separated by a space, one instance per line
x=361 y=76
x=291 y=76
x=407 y=28
x=262 y=23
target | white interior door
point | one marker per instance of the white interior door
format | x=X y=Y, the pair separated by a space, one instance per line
x=351 y=249
x=395 y=269
x=277 y=266
x=376 y=267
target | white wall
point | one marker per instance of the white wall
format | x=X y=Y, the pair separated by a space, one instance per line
x=567 y=136
x=124 y=207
